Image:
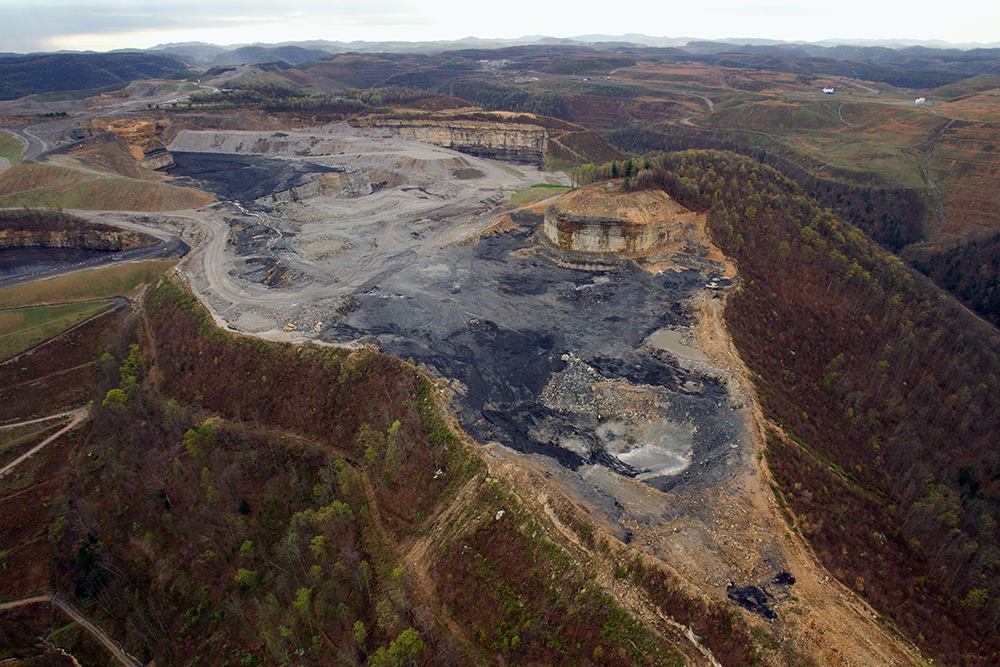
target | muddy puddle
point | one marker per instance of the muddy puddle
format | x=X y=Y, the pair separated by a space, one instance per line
x=671 y=341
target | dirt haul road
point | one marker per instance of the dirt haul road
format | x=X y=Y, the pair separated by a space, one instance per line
x=78 y=416
x=339 y=235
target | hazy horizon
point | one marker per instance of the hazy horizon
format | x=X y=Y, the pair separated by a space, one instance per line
x=105 y=25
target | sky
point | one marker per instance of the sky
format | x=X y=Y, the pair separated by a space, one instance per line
x=101 y=25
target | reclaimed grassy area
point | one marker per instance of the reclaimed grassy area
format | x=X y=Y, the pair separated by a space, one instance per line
x=536 y=192
x=23 y=329
x=113 y=281
x=68 y=95
x=10 y=147
x=109 y=194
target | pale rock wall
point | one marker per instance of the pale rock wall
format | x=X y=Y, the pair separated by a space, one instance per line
x=601 y=236
x=502 y=141
x=157 y=160
x=601 y=228
x=143 y=142
x=344 y=185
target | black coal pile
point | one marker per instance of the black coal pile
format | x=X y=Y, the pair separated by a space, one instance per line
x=759 y=599
x=242 y=178
x=501 y=323
x=20 y=261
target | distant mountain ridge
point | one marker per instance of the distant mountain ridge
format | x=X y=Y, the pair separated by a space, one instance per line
x=930 y=56
x=57 y=72
x=970 y=61
x=430 y=65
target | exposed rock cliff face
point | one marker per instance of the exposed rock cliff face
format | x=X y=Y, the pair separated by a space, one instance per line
x=144 y=143
x=86 y=238
x=130 y=148
x=502 y=141
x=600 y=228
x=499 y=135
x=347 y=184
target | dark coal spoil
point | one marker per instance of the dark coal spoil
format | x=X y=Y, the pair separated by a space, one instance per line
x=760 y=598
x=784 y=579
x=501 y=326
x=642 y=368
x=752 y=598
x=19 y=261
x=242 y=177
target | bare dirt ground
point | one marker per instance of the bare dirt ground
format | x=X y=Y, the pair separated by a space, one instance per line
x=326 y=247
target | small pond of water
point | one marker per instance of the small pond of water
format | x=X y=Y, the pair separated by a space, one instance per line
x=669 y=340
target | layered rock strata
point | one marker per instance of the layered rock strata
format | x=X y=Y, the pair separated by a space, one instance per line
x=600 y=228
x=501 y=141
x=354 y=183
x=144 y=143
x=90 y=239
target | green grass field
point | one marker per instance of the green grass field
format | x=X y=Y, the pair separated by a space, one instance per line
x=99 y=284
x=23 y=329
x=109 y=194
x=511 y=170
x=536 y=192
x=66 y=95
x=10 y=147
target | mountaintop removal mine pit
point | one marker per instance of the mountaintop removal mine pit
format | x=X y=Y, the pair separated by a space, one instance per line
x=355 y=237
x=364 y=236
x=579 y=338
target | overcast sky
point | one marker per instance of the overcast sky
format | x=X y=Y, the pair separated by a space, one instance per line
x=100 y=25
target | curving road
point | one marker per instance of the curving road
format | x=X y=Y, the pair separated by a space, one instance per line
x=168 y=246
x=113 y=647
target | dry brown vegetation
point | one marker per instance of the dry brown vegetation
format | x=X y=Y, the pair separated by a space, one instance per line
x=39 y=185
x=967 y=170
x=881 y=394
x=55 y=376
x=311 y=502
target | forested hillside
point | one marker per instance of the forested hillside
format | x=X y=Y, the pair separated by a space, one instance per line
x=885 y=392
x=246 y=502
x=498 y=97
x=26 y=75
x=970 y=271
